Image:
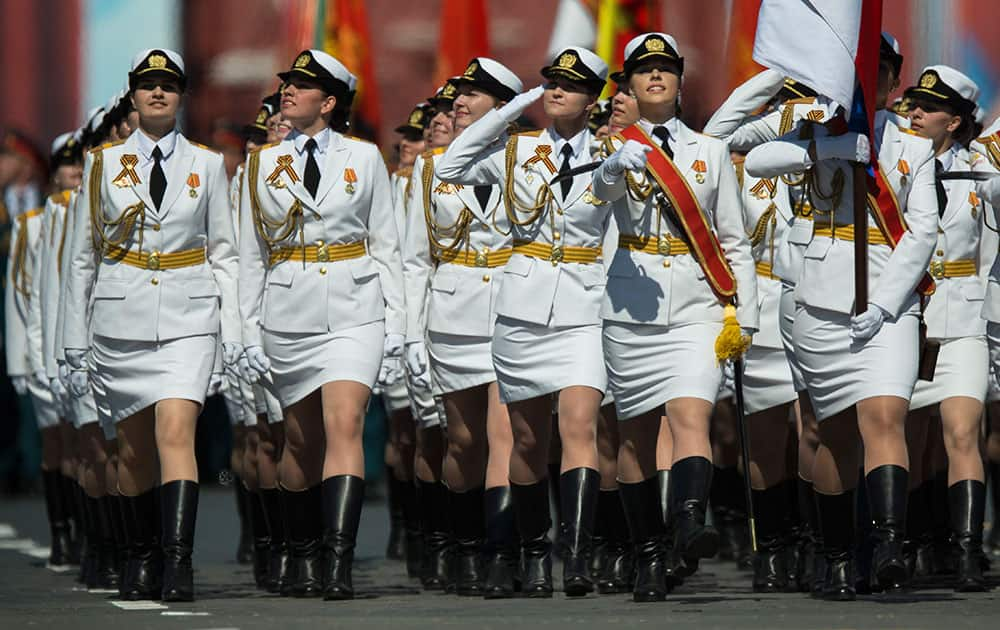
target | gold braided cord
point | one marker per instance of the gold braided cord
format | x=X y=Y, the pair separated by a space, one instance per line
x=18 y=256
x=785 y=125
x=96 y=171
x=543 y=198
x=67 y=217
x=270 y=231
x=767 y=219
x=458 y=232
x=123 y=226
x=993 y=149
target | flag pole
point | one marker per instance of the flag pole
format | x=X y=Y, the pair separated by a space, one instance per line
x=860 y=239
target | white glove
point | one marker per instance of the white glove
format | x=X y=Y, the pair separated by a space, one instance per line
x=57 y=388
x=849 y=146
x=64 y=375
x=79 y=382
x=20 y=384
x=390 y=372
x=630 y=157
x=215 y=383
x=40 y=378
x=416 y=363
x=75 y=358
x=513 y=110
x=393 y=345
x=866 y=325
x=257 y=362
x=231 y=353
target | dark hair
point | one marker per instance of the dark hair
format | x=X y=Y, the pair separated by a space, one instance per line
x=966 y=131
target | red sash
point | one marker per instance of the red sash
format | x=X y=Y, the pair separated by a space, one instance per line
x=884 y=206
x=704 y=243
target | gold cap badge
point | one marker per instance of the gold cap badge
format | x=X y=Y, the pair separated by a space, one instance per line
x=567 y=60
x=449 y=91
x=415 y=117
x=655 y=45
x=471 y=70
x=156 y=61
x=303 y=60
x=928 y=80
x=261 y=116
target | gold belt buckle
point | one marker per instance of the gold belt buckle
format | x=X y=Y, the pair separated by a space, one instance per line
x=482 y=258
x=153 y=261
x=322 y=253
x=663 y=246
x=937 y=269
x=557 y=254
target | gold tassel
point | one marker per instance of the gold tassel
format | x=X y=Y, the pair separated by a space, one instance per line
x=731 y=342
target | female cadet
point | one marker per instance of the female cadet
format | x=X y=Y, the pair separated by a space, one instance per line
x=866 y=364
x=322 y=302
x=547 y=339
x=457 y=239
x=158 y=256
x=682 y=254
x=942 y=107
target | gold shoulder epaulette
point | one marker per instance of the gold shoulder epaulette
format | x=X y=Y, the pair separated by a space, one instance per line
x=406 y=171
x=909 y=131
x=993 y=137
x=432 y=152
x=30 y=214
x=202 y=146
x=534 y=133
x=61 y=198
x=106 y=145
x=359 y=139
x=265 y=146
x=805 y=100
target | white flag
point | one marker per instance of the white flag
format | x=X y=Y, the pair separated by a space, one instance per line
x=574 y=26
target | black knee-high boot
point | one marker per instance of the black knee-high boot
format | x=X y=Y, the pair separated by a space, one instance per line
x=122 y=541
x=278 y=558
x=411 y=522
x=616 y=567
x=770 y=575
x=531 y=512
x=432 y=497
x=179 y=511
x=918 y=527
x=59 y=528
x=943 y=559
x=244 y=546
x=578 y=490
x=814 y=564
x=86 y=558
x=343 y=497
x=261 y=538
x=993 y=540
x=675 y=569
x=967 y=507
x=690 y=481
x=67 y=492
x=305 y=529
x=92 y=557
x=645 y=523
x=468 y=529
x=887 y=493
x=836 y=522
x=395 y=548
x=502 y=546
x=144 y=572
x=107 y=553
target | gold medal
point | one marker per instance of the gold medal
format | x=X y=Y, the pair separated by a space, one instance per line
x=279 y=183
x=530 y=178
x=975 y=212
x=192 y=193
x=698 y=177
x=902 y=181
x=349 y=189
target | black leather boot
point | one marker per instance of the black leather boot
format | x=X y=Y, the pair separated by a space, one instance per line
x=690 y=481
x=531 y=512
x=770 y=573
x=395 y=548
x=343 y=497
x=967 y=507
x=809 y=533
x=244 y=547
x=261 y=539
x=943 y=560
x=468 y=529
x=617 y=568
x=502 y=546
x=86 y=558
x=120 y=514
x=278 y=557
x=59 y=528
x=67 y=492
x=145 y=559
x=993 y=540
x=90 y=564
x=795 y=541
x=305 y=530
x=887 y=493
x=179 y=511
x=918 y=528
x=433 y=500
x=411 y=522
x=107 y=552
x=558 y=545
x=578 y=490
x=675 y=569
x=836 y=521
x=645 y=523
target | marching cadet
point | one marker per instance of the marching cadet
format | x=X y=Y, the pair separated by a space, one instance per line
x=941 y=108
x=682 y=255
x=160 y=234
x=455 y=249
x=316 y=220
x=547 y=338
x=865 y=364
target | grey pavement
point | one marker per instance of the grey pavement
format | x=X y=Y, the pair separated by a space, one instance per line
x=719 y=596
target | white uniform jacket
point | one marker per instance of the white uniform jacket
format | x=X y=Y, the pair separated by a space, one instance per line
x=49 y=277
x=445 y=297
x=147 y=303
x=353 y=204
x=63 y=265
x=827 y=278
x=645 y=288
x=535 y=290
x=21 y=268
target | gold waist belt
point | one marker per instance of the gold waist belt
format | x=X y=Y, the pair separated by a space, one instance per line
x=846 y=233
x=953 y=268
x=154 y=260
x=665 y=246
x=318 y=252
x=764 y=269
x=557 y=253
x=472 y=258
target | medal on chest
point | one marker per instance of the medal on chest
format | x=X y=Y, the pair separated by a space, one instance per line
x=193 y=182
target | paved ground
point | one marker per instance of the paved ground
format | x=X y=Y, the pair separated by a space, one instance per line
x=31 y=596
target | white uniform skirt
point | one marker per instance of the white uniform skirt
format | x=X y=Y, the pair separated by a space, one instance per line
x=962 y=370
x=301 y=363
x=767 y=379
x=44 y=405
x=651 y=365
x=786 y=321
x=840 y=372
x=132 y=375
x=83 y=410
x=532 y=360
x=459 y=362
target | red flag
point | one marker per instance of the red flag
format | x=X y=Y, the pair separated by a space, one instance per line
x=463 y=34
x=347 y=38
x=866 y=69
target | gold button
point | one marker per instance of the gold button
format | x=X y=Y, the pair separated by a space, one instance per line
x=156 y=228
x=322 y=271
x=666 y=263
x=154 y=282
x=486 y=278
x=556 y=235
x=940 y=252
x=559 y=211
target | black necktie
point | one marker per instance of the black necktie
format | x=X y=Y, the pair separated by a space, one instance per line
x=566 y=184
x=483 y=196
x=942 y=194
x=661 y=132
x=312 y=169
x=157 y=180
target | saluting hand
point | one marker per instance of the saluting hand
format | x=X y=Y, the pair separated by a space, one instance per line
x=513 y=110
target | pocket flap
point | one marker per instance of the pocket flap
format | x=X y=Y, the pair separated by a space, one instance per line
x=281 y=275
x=519 y=266
x=109 y=290
x=444 y=282
x=818 y=249
x=363 y=268
x=801 y=232
x=594 y=276
x=974 y=291
x=202 y=288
